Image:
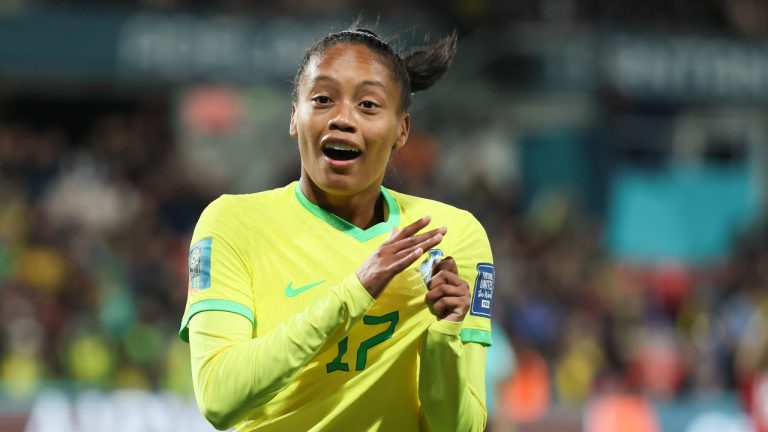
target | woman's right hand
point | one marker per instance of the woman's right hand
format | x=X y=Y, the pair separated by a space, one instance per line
x=396 y=254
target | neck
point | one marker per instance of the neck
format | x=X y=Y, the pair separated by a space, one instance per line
x=362 y=209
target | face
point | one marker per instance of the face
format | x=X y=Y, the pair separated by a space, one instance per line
x=347 y=119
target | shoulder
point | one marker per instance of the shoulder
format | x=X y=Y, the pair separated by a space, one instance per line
x=248 y=210
x=440 y=212
x=466 y=236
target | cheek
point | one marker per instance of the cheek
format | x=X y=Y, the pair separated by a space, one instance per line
x=384 y=134
x=305 y=127
x=303 y=135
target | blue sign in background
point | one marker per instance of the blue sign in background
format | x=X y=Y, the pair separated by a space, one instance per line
x=683 y=213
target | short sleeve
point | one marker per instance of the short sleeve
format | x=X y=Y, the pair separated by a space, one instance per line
x=473 y=256
x=218 y=265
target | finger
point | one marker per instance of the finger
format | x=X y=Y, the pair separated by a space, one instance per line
x=448 y=278
x=446 y=305
x=415 y=239
x=409 y=256
x=418 y=239
x=438 y=311
x=442 y=291
x=437 y=280
x=448 y=264
x=393 y=233
x=412 y=229
x=425 y=245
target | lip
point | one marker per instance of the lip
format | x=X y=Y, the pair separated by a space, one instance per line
x=339 y=163
x=330 y=138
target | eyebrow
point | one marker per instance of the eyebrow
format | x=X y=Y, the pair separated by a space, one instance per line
x=330 y=79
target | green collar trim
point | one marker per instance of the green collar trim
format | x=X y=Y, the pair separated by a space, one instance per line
x=355 y=232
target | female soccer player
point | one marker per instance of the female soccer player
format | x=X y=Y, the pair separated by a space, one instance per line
x=334 y=303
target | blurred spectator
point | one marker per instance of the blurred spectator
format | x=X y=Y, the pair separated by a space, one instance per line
x=501 y=364
x=93 y=239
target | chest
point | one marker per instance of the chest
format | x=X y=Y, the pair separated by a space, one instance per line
x=294 y=272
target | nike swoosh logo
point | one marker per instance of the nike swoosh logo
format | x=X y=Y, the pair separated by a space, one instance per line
x=290 y=291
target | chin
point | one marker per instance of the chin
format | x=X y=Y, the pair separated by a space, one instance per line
x=338 y=183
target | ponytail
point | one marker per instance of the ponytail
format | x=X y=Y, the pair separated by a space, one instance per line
x=426 y=64
x=415 y=69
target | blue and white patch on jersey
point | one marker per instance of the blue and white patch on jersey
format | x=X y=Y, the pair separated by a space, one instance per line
x=200 y=264
x=428 y=266
x=483 y=293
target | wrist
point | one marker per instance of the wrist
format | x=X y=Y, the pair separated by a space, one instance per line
x=369 y=283
x=353 y=294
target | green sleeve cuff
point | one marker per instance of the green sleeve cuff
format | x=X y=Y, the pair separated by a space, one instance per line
x=482 y=337
x=213 y=305
x=451 y=328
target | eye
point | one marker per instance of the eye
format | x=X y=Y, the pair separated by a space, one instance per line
x=369 y=104
x=321 y=100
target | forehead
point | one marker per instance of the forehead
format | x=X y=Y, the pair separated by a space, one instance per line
x=349 y=64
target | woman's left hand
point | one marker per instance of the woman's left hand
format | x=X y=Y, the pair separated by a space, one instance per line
x=448 y=295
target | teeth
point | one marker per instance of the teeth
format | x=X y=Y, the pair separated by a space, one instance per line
x=341 y=146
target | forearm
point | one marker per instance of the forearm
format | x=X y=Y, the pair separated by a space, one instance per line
x=233 y=373
x=451 y=381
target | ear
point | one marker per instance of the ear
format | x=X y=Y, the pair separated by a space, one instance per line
x=402 y=134
x=292 y=127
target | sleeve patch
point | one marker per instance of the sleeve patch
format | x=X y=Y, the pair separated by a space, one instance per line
x=483 y=292
x=200 y=264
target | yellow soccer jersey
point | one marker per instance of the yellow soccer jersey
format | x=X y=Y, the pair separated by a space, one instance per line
x=268 y=256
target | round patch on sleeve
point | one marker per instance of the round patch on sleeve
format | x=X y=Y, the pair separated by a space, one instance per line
x=483 y=292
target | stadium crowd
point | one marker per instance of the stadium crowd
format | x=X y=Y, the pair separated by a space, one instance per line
x=95 y=226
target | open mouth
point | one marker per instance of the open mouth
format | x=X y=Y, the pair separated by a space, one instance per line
x=341 y=152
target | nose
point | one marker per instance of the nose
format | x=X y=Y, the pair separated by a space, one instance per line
x=344 y=119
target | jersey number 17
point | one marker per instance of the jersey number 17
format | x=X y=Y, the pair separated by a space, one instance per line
x=362 y=351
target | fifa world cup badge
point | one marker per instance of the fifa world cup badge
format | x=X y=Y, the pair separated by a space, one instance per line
x=200 y=264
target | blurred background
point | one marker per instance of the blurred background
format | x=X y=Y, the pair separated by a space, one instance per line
x=615 y=151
